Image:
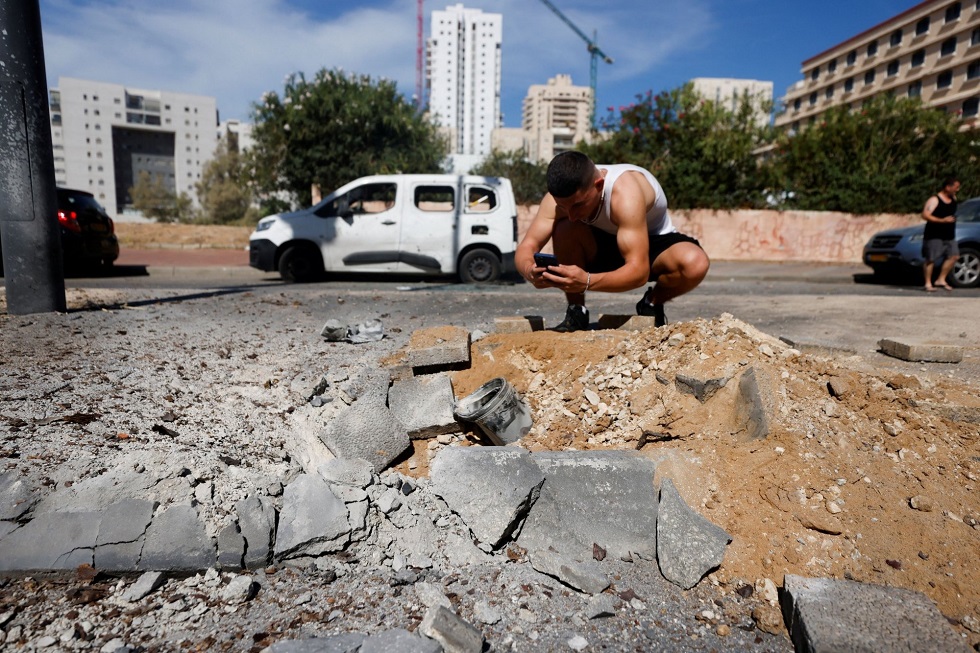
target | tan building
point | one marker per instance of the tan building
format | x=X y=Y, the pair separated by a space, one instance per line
x=556 y=117
x=728 y=93
x=931 y=51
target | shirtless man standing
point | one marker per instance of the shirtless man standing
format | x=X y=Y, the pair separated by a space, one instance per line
x=611 y=232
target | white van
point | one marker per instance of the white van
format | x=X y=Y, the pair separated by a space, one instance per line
x=435 y=224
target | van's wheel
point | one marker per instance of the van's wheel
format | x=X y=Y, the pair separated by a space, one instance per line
x=479 y=266
x=966 y=271
x=300 y=263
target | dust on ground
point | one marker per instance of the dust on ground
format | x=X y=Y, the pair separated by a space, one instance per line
x=864 y=475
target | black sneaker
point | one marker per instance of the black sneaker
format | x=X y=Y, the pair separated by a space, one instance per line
x=576 y=319
x=656 y=311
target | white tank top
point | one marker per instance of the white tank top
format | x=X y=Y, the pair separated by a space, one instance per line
x=658 y=219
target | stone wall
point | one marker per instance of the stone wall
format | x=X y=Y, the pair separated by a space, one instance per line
x=774 y=235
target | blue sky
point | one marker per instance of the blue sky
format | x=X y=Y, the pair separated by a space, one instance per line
x=235 y=50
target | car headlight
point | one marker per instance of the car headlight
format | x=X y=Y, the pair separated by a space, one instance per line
x=263 y=225
x=916 y=238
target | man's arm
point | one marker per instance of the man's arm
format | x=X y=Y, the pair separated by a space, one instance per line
x=630 y=199
x=536 y=237
x=930 y=206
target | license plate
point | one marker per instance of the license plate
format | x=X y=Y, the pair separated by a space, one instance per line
x=878 y=258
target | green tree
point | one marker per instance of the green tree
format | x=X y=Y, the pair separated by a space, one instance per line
x=888 y=156
x=333 y=129
x=704 y=155
x=530 y=180
x=152 y=197
x=223 y=191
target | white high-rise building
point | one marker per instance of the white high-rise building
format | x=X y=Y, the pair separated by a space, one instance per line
x=463 y=76
x=556 y=117
x=105 y=134
x=729 y=93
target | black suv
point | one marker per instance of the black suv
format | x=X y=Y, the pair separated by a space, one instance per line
x=88 y=237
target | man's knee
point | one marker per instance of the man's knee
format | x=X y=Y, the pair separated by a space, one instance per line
x=691 y=263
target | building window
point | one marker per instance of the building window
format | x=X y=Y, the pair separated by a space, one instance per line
x=945 y=79
x=918 y=58
x=975 y=36
x=973 y=70
x=953 y=12
x=832 y=66
x=829 y=93
x=948 y=47
x=848 y=84
x=813 y=98
x=915 y=89
x=796 y=104
x=815 y=73
x=895 y=38
x=970 y=107
x=893 y=68
x=922 y=27
x=869 y=77
x=873 y=48
x=852 y=57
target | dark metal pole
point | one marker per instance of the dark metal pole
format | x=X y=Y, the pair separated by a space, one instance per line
x=29 y=234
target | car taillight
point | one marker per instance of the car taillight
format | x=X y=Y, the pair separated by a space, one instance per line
x=69 y=221
x=112 y=226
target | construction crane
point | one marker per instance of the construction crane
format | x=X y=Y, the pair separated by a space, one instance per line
x=594 y=52
x=420 y=61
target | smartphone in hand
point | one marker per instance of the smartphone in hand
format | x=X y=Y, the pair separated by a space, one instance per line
x=544 y=260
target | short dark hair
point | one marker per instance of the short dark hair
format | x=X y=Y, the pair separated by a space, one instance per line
x=950 y=180
x=568 y=173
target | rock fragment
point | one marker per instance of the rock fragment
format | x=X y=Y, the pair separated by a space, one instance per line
x=688 y=545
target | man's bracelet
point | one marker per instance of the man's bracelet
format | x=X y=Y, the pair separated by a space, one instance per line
x=588 y=281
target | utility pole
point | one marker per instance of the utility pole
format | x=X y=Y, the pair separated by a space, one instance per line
x=29 y=233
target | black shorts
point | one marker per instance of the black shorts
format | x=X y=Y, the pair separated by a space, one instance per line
x=608 y=257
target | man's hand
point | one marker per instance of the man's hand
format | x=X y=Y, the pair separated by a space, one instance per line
x=567 y=278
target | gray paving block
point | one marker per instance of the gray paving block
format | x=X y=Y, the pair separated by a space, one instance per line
x=593 y=497
x=16 y=496
x=367 y=430
x=702 y=389
x=51 y=541
x=490 y=488
x=755 y=405
x=455 y=634
x=145 y=585
x=345 y=643
x=439 y=346
x=585 y=575
x=7 y=527
x=627 y=322
x=121 y=534
x=518 y=324
x=921 y=350
x=400 y=640
x=347 y=471
x=313 y=520
x=688 y=545
x=231 y=547
x=818 y=347
x=176 y=541
x=424 y=405
x=824 y=615
x=257 y=522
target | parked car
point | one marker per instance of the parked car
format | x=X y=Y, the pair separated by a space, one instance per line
x=898 y=251
x=88 y=235
x=433 y=225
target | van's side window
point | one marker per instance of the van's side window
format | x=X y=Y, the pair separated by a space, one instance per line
x=435 y=198
x=480 y=200
x=363 y=200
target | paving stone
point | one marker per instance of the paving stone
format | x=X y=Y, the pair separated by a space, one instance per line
x=121 y=534
x=688 y=545
x=51 y=541
x=595 y=497
x=818 y=347
x=176 y=541
x=586 y=576
x=313 y=521
x=921 y=350
x=231 y=547
x=257 y=523
x=368 y=384
x=16 y=497
x=345 y=643
x=400 y=640
x=601 y=605
x=518 y=324
x=347 y=471
x=490 y=488
x=627 y=322
x=702 y=389
x=454 y=633
x=824 y=615
x=424 y=405
x=145 y=585
x=755 y=405
x=367 y=430
x=452 y=349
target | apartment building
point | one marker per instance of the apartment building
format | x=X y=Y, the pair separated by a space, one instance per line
x=729 y=92
x=555 y=117
x=463 y=77
x=105 y=134
x=931 y=51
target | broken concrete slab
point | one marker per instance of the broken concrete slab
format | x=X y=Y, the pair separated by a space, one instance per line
x=51 y=542
x=455 y=634
x=313 y=520
x=688 y=545
x=401 y=640
x=424 y=405
x=627 y=322
x=145 y=585
x=518 y=324
x=491 y=489
x=702 y=389
x=302 y=440
x=176 y=541
x=16 y=496
x=439 y=347
x=231 y=547
x=257 y=523
x=367 y=430
x=344 y=643
x=818 y=347
x=583 y=575
x=121 y=534
x=353 y=472
x=921 y=350
x=755 y=404
x=824 y=615
x=594 y=497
